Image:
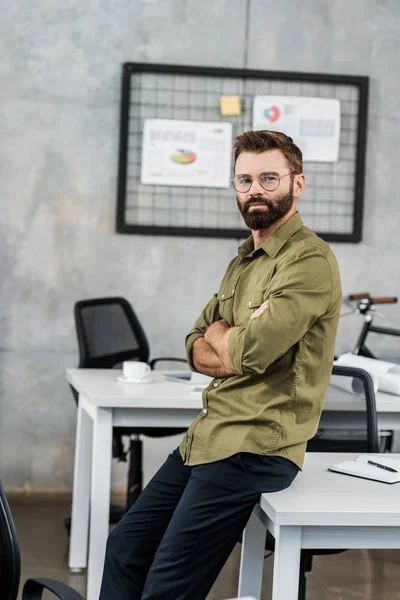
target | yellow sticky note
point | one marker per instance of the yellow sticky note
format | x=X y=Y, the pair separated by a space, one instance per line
x=229 y=105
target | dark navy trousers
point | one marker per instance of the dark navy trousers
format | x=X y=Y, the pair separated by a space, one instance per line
x=174 y=541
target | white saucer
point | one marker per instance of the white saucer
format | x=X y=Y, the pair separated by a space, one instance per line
x=124 y=379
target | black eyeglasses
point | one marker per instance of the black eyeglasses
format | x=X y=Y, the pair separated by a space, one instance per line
x=269 y=181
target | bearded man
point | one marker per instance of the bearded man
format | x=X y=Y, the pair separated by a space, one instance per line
x=267 y=339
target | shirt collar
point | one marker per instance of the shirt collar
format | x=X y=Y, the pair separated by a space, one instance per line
x=276 y=241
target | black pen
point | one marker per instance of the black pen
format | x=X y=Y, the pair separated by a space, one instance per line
x=371 y=462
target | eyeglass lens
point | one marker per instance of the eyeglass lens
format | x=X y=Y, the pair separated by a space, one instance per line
x=242 y=183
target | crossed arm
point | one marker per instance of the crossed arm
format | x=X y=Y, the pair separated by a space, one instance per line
x=210 y=353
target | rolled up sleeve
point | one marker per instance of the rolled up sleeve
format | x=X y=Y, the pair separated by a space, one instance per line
x=209 y=314
x=300 y=293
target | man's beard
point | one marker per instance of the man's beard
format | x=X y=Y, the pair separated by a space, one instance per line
x=263 y=219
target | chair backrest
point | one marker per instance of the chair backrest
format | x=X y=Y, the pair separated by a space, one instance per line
x=10 y=562
x=347 y=439
x=108 y=333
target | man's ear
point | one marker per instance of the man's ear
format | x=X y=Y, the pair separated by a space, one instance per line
x=299 y=185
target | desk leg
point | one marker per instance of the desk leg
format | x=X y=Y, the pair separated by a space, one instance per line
x=99 y=499
x=252 y=558
x=81 y=490
x=286 y=563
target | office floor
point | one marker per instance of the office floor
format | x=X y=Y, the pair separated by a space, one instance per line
x=370 y=575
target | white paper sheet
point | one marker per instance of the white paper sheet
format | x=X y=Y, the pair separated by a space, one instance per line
x=313 y=123
x=186 y=153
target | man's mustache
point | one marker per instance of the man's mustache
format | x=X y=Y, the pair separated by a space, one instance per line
x=252 y=201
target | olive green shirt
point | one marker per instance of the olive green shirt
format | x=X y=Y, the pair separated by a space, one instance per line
x=283 y=356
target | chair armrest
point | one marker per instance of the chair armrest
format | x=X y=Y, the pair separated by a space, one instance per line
x=155 y=360
x=366 y=379
x=33 y=589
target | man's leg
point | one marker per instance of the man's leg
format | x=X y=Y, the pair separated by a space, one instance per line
x=208 y=521
x=132 y=544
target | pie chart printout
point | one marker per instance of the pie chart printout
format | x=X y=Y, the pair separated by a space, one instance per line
x=184 y=157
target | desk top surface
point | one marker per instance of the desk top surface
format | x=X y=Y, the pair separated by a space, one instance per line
x=320 y=497
x=101 y=388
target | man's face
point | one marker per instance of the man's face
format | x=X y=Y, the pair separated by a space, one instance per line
x=261 y=208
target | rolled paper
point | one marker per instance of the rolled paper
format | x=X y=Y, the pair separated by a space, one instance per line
x=354 y=385
x=386 y=373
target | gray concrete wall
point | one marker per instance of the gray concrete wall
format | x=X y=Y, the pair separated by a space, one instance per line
x=59 y=110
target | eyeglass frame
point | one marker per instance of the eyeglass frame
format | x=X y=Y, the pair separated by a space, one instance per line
x=273 y=174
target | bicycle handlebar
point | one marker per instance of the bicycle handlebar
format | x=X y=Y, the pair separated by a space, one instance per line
x=372 y=299
x=358 y=296
x=384 y=300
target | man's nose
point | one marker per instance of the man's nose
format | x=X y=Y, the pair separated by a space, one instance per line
x=256 y=187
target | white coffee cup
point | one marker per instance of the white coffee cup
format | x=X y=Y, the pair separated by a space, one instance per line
x=135 y=370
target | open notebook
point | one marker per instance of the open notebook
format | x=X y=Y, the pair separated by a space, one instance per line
x=361 y=468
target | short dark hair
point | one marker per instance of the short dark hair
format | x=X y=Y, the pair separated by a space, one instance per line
x=263 y=140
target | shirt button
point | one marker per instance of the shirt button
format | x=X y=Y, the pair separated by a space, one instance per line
x=215 y=384
x=250 y=303
x=205 y=411
x=233 y=291
x=223 y=296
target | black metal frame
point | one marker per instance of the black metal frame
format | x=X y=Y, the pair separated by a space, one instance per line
x=360 y=347
x=361 y=82
x=372 y=420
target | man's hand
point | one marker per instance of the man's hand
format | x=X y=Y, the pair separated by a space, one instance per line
x=207 y=361
x=217 y=334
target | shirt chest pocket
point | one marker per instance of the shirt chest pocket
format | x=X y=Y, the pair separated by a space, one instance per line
x=247 y=304
x=225 y=297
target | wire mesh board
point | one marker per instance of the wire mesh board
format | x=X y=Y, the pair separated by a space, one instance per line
x=332 y=202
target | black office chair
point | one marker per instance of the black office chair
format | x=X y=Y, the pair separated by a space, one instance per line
x=10 y=565
x=109 y=333
x=342 y=440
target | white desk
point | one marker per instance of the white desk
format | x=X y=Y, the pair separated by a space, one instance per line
x=104 y=403
x=319 y=510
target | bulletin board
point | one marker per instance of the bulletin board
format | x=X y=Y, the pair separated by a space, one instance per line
x=331 y=205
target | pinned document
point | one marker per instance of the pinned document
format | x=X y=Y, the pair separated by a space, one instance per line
x=313 y=123
x=186 y=153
